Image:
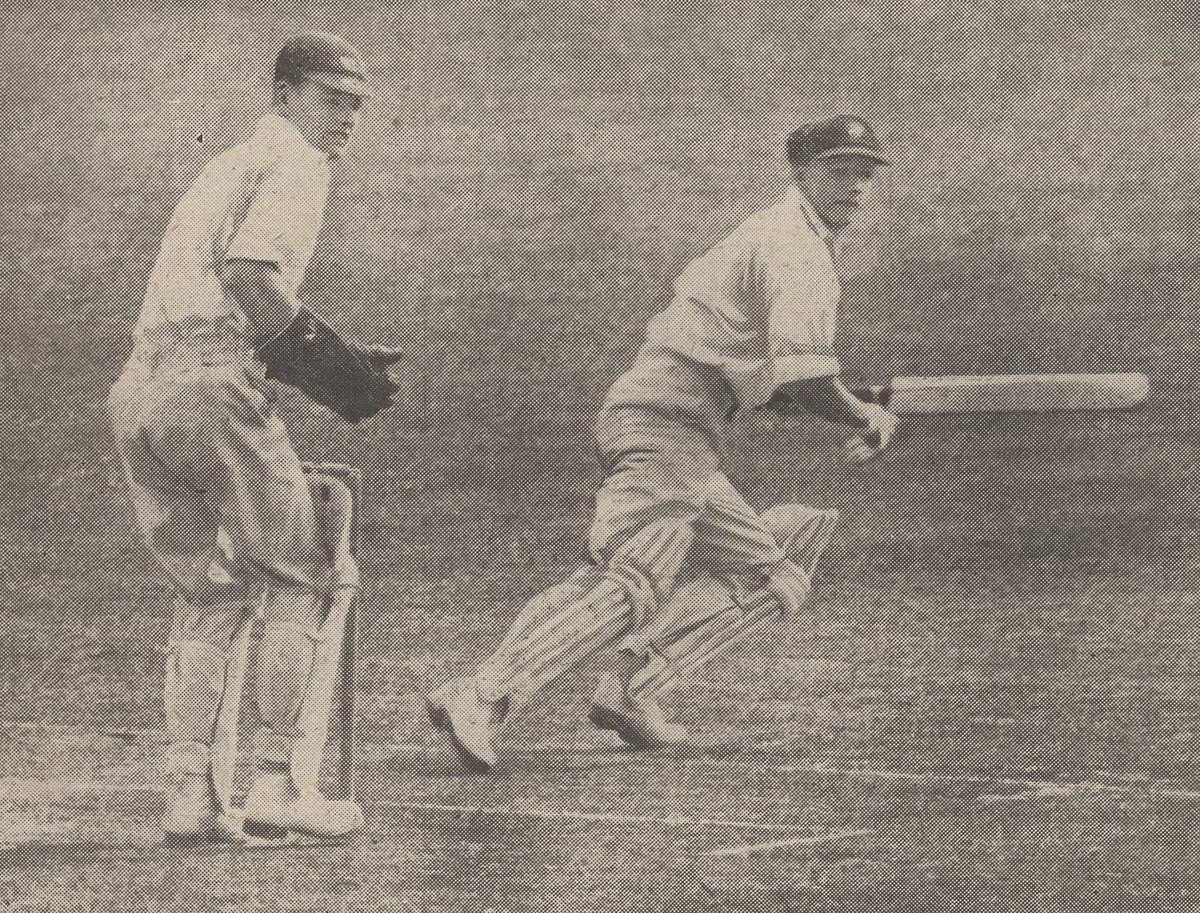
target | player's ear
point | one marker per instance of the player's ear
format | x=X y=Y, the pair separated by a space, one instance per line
x=280 y=92
x=804 y=177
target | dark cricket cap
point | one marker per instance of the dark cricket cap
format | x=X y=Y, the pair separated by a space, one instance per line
x=325 y=58
x=845 y=135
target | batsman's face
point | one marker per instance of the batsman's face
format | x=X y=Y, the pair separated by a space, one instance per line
x=325 y=117
x=836 y=186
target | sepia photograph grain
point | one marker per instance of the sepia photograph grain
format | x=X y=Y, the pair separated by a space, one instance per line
x=599 y=455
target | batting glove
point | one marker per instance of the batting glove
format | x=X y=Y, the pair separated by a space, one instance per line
x=877 y=435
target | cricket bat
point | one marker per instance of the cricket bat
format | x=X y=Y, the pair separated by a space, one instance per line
x=1008 y=393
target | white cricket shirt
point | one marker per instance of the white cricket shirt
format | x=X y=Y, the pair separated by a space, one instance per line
x=757 y=310
x=261 y=200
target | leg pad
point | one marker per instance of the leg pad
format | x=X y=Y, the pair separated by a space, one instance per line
x=742 y=607
x=194 y=684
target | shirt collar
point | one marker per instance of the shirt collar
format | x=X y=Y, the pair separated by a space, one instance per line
x=805 y=214
x=277 y=132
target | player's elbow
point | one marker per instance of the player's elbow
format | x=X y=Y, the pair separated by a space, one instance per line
x=256 y=288
x=811 y=395
x=246 y=280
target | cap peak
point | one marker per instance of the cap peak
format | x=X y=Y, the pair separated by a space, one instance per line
x=845 y=134
x=325 y=58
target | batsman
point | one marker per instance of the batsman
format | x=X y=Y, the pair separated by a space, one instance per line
x=242 y=528
x=682 y=568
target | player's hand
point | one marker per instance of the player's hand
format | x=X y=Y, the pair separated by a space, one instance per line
x=382 y=357
x=875 y=437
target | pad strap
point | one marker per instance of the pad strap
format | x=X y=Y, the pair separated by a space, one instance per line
x=643 y=598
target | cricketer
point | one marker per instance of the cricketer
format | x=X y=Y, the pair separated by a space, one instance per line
x=220 y=496
x=682 y=568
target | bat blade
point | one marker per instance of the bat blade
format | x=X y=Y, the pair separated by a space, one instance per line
x=1009 y=393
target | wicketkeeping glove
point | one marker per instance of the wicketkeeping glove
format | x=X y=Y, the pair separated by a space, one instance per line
x=310 y=356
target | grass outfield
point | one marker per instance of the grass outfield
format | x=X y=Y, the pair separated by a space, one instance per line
x=994 y=704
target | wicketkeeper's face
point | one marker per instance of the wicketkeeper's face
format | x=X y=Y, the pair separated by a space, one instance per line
x=325 y=117
x=836 y=186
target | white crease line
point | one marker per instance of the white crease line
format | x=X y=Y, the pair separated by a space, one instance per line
x=82 y=732
x=1039 y=788
x=16 y=788
x=19 y=788
x=863 y=773
x=778 y=844
x=555 y=815
x=386 y=750
x=1036 y=790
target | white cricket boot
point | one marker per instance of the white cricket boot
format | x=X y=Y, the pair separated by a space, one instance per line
x=638 y=720
x=276 y=807
x=471 y=722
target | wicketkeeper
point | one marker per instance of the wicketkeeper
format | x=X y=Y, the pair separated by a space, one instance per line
x=682 y=567
x=221 y=497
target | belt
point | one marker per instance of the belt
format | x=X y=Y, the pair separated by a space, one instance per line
x=194 y=338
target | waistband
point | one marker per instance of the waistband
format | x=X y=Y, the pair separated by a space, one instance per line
x=626 y=430
x=194 y=337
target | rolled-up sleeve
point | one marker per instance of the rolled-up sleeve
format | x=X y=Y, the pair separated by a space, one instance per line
x=282 y=219
x=761 y=306
x=803 y=323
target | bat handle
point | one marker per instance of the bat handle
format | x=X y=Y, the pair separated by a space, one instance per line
x=878 y=395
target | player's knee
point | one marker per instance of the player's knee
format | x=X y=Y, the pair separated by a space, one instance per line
x=333 y=511
x=640 y=591
x=801 y=532
x=656 y=552
x=789 y=585
x=283 y=669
